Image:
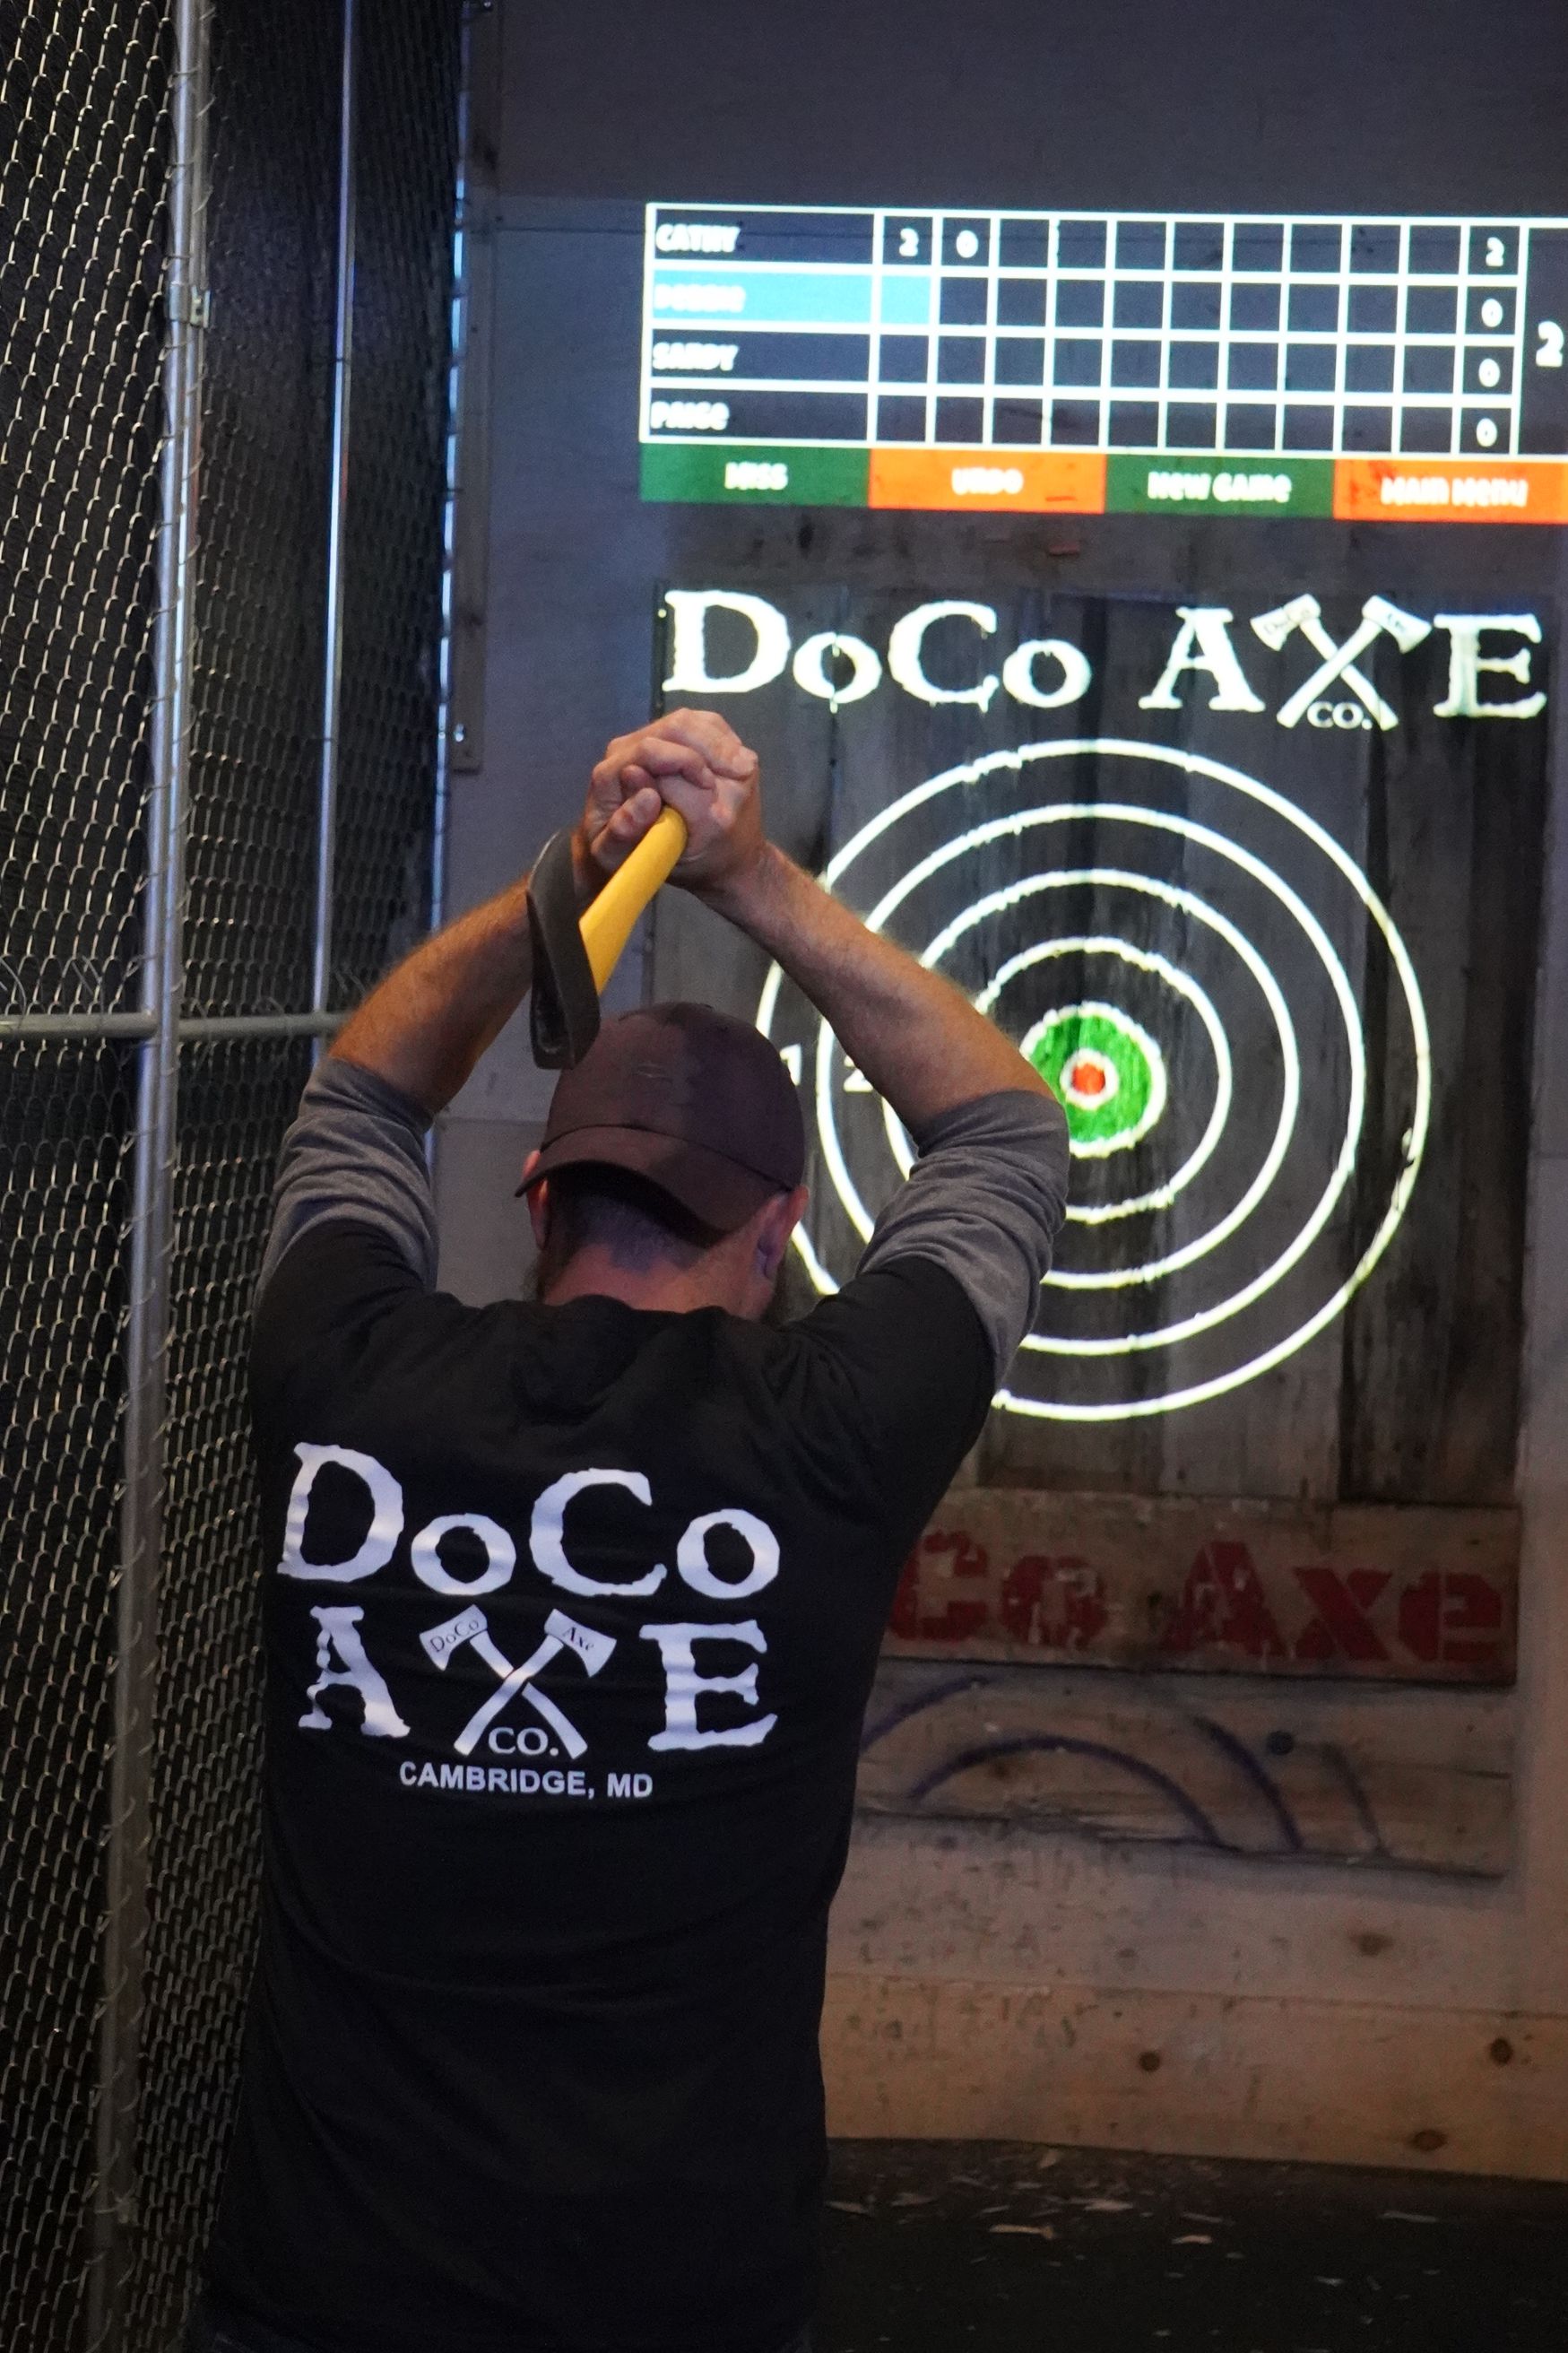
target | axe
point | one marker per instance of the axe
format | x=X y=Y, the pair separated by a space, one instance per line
x=573 y=958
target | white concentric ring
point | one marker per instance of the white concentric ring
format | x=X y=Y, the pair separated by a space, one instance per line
x=1131 y=1277
x=1162 y=1196
x=1414 y=1141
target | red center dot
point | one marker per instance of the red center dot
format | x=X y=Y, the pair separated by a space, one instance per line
x=1087 y=1078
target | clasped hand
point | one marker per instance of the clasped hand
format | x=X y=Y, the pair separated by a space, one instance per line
x=694 y=761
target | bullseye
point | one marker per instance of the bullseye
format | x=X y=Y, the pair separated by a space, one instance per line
x=1107 y=1070
x=1230 y=1226
x=1086 y=1076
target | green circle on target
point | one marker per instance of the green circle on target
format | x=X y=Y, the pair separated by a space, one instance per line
x=1104 y=1069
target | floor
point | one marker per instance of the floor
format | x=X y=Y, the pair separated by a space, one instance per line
x=936 y=2247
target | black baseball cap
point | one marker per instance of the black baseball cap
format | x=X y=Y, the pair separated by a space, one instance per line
x=697 y=1102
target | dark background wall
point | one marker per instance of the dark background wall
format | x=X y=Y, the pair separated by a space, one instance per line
x=1405 y=105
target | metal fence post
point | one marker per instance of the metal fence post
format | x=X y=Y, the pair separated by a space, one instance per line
x=151 y=1234
x=337 y=521
x=471 y=237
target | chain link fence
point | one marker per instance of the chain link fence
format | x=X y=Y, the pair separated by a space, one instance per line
x=181 y=772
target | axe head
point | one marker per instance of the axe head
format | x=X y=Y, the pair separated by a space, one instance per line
x=1275 y=627
x=592 y=1647
x=563 y=1012
x=440 y=1642
x=1404 y=628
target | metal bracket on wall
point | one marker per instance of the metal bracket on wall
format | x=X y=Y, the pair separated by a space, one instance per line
x=190 y=306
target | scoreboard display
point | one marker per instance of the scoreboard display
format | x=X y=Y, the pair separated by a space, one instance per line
x=1375 y=369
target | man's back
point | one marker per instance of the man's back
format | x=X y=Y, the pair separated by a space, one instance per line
x=572 y=1611
x=542 y=1959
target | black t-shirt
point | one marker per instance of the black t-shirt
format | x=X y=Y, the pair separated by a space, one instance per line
x=571 y=1615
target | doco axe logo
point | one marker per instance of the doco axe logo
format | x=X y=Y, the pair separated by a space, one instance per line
x=700 y=1698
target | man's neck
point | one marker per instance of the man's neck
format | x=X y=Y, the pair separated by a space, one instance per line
x=595 y=1273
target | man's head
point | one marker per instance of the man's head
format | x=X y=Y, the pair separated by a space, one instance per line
x=670 y=1171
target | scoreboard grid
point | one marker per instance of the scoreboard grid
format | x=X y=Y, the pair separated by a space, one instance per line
x=1042 y=359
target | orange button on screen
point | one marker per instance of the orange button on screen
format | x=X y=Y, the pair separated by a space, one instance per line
x=1451 y=489
x=1024 y=482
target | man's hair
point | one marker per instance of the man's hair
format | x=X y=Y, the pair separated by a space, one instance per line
x=639 y=1225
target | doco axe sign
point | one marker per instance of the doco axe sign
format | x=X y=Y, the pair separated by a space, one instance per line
x=1052 y=674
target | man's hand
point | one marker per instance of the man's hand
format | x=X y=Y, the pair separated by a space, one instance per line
x=696 y=762
x=427 y=1024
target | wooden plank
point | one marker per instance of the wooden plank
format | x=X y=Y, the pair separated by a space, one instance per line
x=1447 y=825
x=1379 y=1592
x=1406 y=1780
x=1201 y=2075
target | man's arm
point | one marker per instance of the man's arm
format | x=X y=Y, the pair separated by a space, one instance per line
x=915 y=1037
x=355 y=1154
x=988 y=1192
x=427 y=1024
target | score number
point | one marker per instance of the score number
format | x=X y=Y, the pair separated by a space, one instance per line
x=966 y=243
x=1549 y=338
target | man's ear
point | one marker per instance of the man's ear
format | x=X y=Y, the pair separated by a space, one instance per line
x=779 y=1221
x=537 y=1200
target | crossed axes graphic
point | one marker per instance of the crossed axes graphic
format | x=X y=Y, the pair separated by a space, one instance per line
x=560 y=1633
x=1378 y=617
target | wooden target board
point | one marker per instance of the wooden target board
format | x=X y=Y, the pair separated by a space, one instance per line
x=1256 y=891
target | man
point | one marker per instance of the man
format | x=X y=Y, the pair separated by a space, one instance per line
x=573 y=1615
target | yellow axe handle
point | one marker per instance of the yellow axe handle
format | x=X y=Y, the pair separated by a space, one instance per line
x=607 y=925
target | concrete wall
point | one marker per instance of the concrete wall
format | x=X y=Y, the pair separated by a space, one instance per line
x=1004 y=1981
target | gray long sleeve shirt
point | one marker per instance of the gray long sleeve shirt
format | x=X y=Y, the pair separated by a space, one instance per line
x=985 y=1199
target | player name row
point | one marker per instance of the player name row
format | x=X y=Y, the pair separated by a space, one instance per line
x=805 y=306
x=760 y=413
x=1058 y=419
x=704 y=377
x=1083 y=241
